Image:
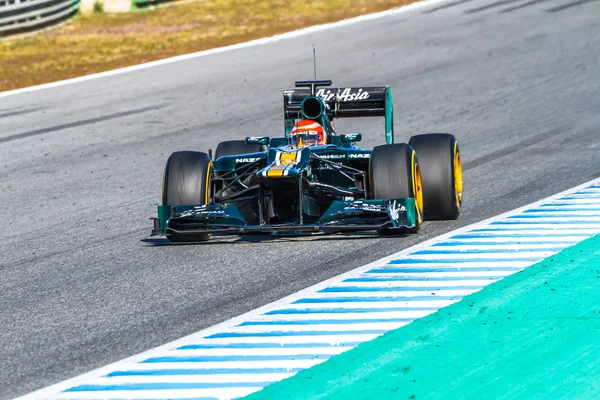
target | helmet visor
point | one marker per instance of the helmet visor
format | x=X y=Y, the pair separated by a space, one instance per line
x=304 y=140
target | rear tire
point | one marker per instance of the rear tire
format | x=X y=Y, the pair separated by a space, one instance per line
x=187 y=182
x=394 y=173
x=237 y=147
x=441 y=172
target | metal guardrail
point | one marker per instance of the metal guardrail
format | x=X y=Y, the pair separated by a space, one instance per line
x=25 y=15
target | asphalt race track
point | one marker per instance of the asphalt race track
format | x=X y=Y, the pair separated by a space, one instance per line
x=81 y=283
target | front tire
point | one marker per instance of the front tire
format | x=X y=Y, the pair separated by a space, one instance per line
x=441 y=172
x=394 y=173
x=237 y=147
x=187 y=182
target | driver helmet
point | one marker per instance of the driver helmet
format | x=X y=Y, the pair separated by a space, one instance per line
x=307 y=132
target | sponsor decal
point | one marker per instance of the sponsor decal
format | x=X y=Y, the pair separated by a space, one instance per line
x=187 y=213
x=351 y=136
x=246 y=159
x=360 y=155
x=394 y=210
x=360 y=206
x=346 y=95
x=372 y=207
x=330 y=166
x=333 y=156
x=212 y=212
x=210 y=206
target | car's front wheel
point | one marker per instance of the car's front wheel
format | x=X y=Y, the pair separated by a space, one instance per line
x=394 y=173
x=237 y=147
x=187 y=181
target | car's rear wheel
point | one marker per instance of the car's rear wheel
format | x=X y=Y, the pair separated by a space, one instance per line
x=187 y=181
x=237 y=147
x=394 y=173
x=441 y=172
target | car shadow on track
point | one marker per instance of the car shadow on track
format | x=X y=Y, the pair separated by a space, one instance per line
x=271 y=238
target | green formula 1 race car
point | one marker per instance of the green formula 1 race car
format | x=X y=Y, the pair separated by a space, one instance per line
x=313 y=179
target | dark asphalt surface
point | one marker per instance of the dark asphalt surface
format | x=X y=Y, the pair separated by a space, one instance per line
x=81 y=168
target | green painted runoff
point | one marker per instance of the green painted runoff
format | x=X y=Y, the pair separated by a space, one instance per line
x=532 y=335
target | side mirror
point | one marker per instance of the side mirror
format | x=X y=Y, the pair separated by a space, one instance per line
x=263 y=140
x=350 y=137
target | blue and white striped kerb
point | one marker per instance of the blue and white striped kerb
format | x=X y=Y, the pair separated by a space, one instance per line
x=245 y=354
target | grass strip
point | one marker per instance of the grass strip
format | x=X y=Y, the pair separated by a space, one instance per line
x=102 y=42
x=532 y=335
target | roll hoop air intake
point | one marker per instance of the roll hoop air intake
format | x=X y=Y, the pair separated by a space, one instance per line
x=312 y=107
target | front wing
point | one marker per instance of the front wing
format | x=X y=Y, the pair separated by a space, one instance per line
x=351 y=215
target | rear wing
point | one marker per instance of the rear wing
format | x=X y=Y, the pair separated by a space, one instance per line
x=341 y=102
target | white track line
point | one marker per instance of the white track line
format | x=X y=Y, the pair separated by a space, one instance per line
x=282 y=317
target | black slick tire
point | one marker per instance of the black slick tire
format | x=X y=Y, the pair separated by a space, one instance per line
x=187 y=182
x=237 y=147
x=394 y=173
x=441 y=174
